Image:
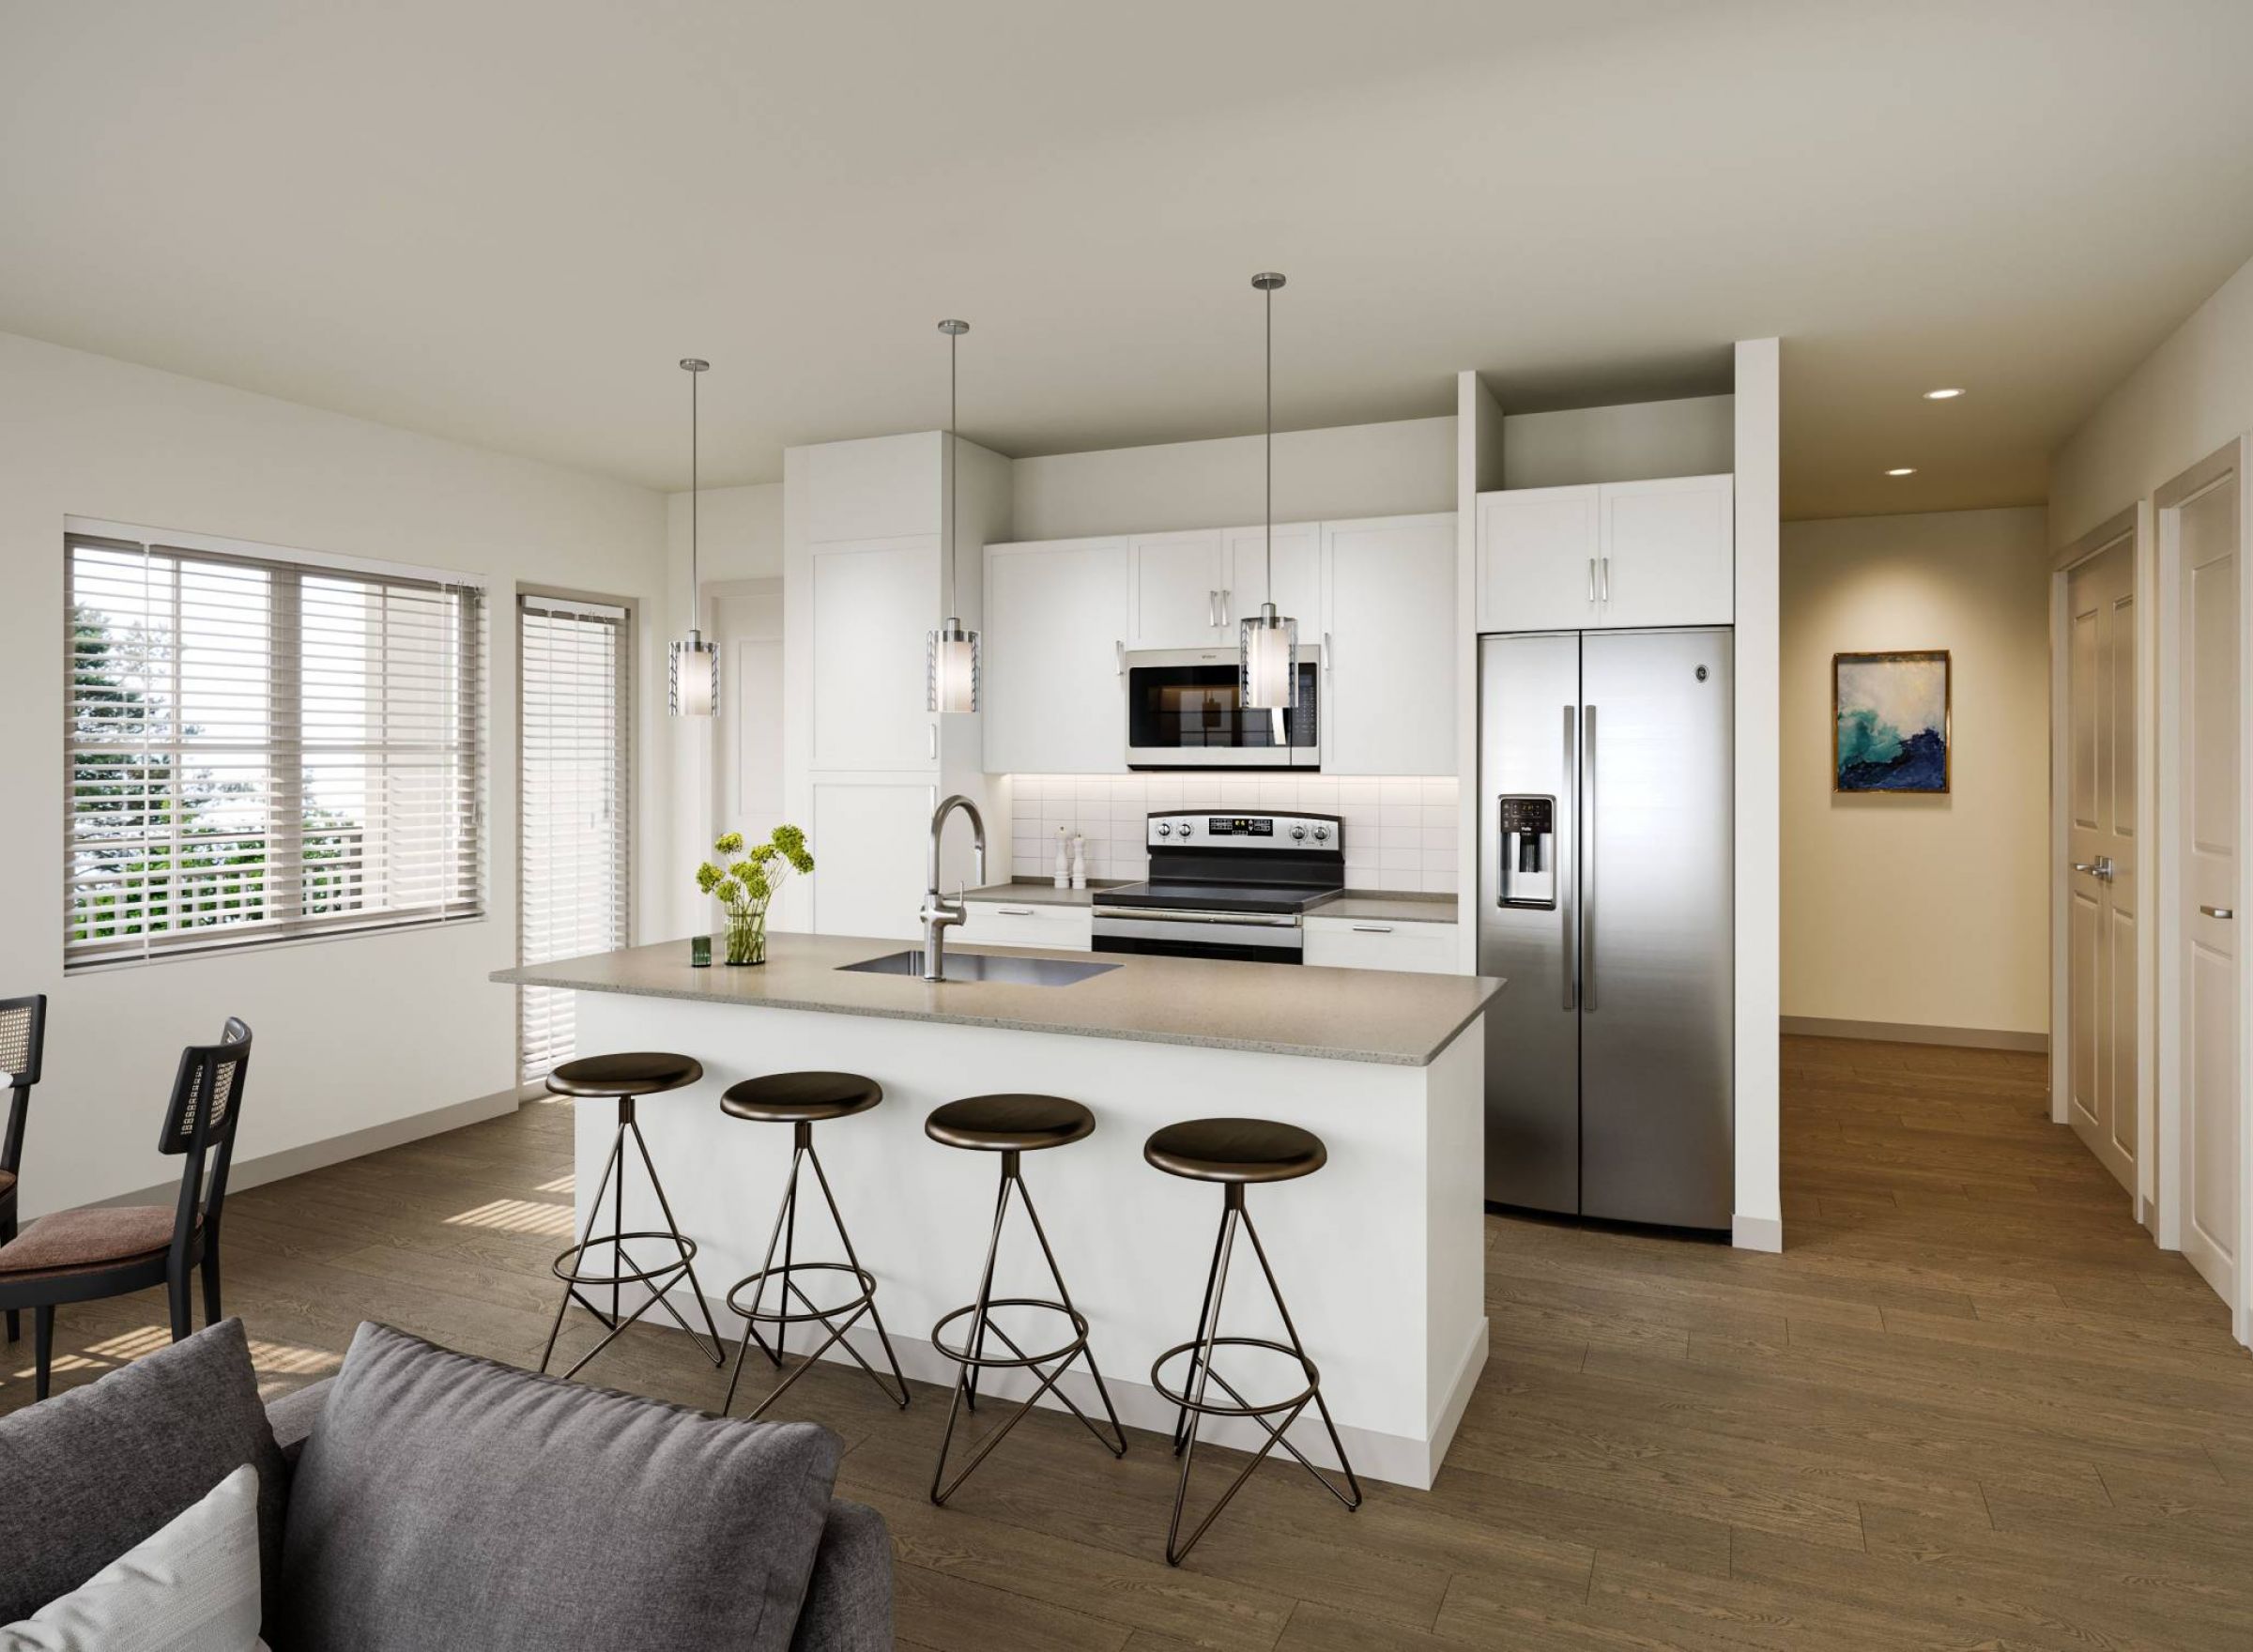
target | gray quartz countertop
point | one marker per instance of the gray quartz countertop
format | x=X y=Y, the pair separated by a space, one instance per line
x=1031 y=891
x=1386 y=906
x=1396 y=1018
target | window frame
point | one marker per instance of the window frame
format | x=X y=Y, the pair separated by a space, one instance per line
x=285 y=924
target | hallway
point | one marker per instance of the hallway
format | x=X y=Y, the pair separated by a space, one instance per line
x=1970 y=1405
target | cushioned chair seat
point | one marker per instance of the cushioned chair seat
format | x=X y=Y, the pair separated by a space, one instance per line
x=8 y=1183
x=100 y=1236
x=641 y=1072
x=790 y=1098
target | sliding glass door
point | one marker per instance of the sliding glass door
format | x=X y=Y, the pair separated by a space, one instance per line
x=575 y=689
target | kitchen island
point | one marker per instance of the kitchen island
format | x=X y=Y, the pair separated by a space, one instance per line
x=1380 y=1253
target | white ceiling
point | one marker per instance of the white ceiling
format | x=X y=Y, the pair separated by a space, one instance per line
x=501 y=221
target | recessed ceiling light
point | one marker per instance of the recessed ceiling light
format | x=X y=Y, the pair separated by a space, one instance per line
x=1902 y=470
x=1942 y=395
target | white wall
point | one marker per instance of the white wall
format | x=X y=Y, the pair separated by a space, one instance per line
x=2185 y=400
x=1398 y=468
x=1924 y=911
x=352 y=1033
x=1693 y=436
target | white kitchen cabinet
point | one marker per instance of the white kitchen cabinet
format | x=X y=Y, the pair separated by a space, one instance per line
x=1620 y=555
x=1176 y=589
x=1054 y=689
x=1243 y=577
x=1538 y=549
x=873 y=605
x=870 y=840
x=1003 y=923
x=1375 y=944
x=1388 y=653
x=1671 y=552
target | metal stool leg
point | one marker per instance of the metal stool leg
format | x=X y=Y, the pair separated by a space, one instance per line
x=1236 y=1217
x=785 y=1233
x=659 y=1282
x=982 y=1322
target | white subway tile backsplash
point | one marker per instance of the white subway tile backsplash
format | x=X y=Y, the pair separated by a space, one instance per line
x=1399 y=833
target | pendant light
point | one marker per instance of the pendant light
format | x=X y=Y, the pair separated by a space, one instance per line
x=693 y=682
x=1267 y=661
x=951 y=657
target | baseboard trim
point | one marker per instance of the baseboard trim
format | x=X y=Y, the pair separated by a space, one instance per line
x=335 y=1149
x=1756 y=1234
x=1908 y=1033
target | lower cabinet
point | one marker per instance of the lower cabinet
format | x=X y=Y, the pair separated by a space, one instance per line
x=1001 y=922
x=1376 y=943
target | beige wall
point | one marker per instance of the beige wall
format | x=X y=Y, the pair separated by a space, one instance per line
x=1919 y=911
x=2181 y=402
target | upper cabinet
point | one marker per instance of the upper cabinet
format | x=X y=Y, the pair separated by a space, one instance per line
x=1621 y=555
x=1176 y=589
x=1054 y=689
x=1298 y=575
x=1388 y=646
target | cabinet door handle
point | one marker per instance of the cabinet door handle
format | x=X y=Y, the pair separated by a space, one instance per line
x=1121 y=648
x=1228 y=605
x=1592 y=579
x=1605 y=563
x=1373 y=929
x=1212 y=609
x=2219 y=912
x=934 y=732
x=1015 y=912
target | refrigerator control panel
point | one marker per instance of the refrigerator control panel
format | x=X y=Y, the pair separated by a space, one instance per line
x=1528 y=876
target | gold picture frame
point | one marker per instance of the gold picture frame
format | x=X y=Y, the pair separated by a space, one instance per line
x=1897 y=744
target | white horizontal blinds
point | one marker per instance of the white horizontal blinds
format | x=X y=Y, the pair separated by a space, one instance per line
x=261 y=750
x=575 y=812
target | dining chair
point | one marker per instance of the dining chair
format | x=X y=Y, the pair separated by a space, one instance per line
x=108 y=1250
x=23 y=1037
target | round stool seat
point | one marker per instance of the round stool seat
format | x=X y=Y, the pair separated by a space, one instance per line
x=1009 y=1124
x=1236 y=1150
x=798 y=1098
x=640 y=1072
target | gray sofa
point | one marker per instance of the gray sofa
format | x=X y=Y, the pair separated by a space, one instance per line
x=425 y=1498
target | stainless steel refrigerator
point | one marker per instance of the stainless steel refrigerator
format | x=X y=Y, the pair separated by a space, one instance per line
x=1604 y=855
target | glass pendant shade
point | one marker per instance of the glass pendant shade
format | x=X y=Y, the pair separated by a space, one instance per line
x=952 y=662
x=693 y=687
x=1267 y=668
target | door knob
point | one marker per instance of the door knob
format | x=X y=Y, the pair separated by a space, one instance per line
x=2218 y=911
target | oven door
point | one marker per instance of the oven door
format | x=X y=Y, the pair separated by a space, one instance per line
x=1184 y=711
x=1245 y=937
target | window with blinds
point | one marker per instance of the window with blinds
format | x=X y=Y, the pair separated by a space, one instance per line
x=262 y=749
x=573 y=660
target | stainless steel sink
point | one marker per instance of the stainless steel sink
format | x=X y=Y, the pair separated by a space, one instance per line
x=978 y=966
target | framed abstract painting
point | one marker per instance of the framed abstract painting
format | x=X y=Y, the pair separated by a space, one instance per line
x=1890 y=714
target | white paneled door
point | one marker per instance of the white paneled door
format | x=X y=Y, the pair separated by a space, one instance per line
x=2103 y=894
x=575 y=789
x=2202 y=530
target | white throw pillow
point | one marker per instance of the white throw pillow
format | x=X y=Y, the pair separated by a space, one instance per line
x=191 y=1586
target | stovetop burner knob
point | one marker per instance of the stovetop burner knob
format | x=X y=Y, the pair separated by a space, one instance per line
x=1299 y=832
x=1320 y=832
x=1165 y=829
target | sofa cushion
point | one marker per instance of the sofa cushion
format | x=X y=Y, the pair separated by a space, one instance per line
x=93 y=1471
x=448 y=1500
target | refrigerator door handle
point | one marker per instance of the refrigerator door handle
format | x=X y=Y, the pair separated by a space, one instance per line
x=1587 y=858
x=1564 y=884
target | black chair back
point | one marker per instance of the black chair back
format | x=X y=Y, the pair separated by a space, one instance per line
x=23 y=1041
x=199 y=1122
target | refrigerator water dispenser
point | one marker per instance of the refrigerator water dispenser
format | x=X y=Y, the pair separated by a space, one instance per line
x=1528 y=852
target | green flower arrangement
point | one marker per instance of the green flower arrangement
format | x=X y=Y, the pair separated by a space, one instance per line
x=745 y=882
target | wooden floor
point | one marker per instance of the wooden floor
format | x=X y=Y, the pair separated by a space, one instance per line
x=1970 y=1406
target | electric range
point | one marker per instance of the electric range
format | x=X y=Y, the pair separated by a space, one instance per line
x=1225 y=886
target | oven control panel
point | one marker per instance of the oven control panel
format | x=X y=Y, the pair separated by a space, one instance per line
x=1210 y=829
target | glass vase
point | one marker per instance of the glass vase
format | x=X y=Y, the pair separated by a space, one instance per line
x=747 y=937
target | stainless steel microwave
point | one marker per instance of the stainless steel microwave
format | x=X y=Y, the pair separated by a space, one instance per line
x=1184 y=711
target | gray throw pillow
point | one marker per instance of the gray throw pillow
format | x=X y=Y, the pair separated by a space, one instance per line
x=191 y=1586
x=86 y=1475
x=447 y=1501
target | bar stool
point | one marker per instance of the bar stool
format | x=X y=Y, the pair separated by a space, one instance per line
x=801 y=1100
x=625 y=1079
x=1236 y=1152
x=1012 y=1126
